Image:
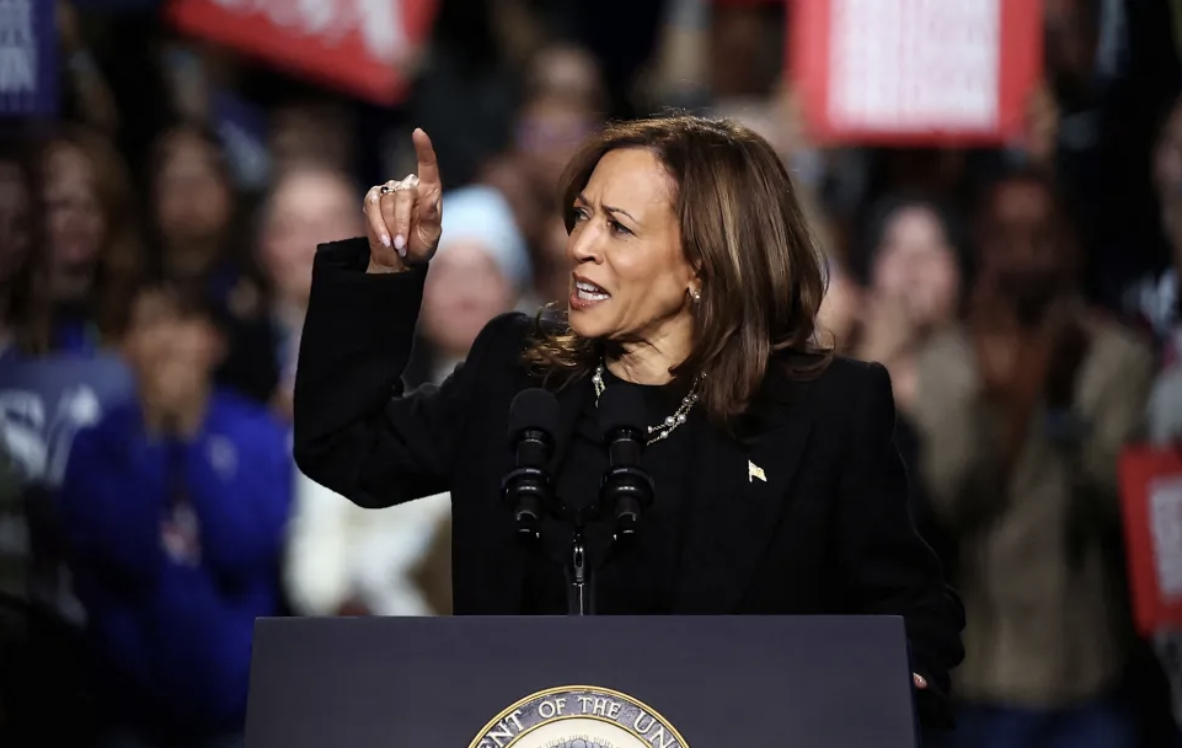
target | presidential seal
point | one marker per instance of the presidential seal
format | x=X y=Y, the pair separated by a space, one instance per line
x=579 y=717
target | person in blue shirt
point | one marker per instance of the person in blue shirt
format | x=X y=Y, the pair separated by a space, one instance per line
x=173 y=510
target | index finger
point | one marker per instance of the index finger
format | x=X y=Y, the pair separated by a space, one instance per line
x=428 y=167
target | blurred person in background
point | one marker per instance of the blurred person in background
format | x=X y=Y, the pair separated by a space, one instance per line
x=40 y=690
x=196 y=213
x=24 y=331
x=1022 y=414
x=92 y=238
x=1158 y=302
x=308 y=202
x=174 y=508
x=394 y=561
x=914 y=263
x=1155 y=300
x=480 y=271
x=564 y=103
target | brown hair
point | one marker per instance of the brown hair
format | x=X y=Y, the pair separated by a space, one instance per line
x=24 y=297
x=120 y=264
x=743 y=230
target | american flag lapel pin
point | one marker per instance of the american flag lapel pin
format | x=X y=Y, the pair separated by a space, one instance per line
x=755 y=471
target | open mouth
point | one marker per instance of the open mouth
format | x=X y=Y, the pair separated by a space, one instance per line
x=587 y=291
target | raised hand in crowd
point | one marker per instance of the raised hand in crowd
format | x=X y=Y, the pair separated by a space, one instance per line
x=404 y=217
x=891 y=329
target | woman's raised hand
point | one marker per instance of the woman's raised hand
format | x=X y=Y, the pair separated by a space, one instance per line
x=404 y=216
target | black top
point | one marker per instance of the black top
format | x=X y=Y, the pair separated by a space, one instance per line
x=802 y=510
x=640 y=579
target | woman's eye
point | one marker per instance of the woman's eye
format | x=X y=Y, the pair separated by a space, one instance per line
x=581 y=214
x=618 y=227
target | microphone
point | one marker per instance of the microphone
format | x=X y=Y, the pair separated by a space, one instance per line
x=533 y=420
x=627 y=489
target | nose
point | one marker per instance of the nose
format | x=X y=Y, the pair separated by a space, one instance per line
x=583 y=244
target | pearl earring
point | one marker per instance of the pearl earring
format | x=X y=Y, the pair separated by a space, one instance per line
x=696 y=295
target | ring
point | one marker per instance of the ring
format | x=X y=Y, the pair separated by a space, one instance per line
x=386 y=189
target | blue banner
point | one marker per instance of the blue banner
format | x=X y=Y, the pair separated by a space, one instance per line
x=28 y=58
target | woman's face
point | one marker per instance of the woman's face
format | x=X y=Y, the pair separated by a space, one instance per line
x=308 y=209
x=76 y=224
x=193 y=201
x=15 y=218
x=917 y=265
x=465 y=290
x=631 y=280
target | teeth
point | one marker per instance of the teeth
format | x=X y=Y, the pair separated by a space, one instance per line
x=590 y=291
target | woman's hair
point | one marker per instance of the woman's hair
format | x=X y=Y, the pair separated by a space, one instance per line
x=235 y=239
x=120 y=263
x=882 y=215
x=24 y=300
x=743 y=230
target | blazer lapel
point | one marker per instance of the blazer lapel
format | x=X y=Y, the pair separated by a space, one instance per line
x=741 y=487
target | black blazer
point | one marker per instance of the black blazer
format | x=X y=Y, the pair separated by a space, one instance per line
x=828 y=532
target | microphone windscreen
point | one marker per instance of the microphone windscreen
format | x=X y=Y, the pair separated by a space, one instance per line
x=621 y=407
x=533 y=409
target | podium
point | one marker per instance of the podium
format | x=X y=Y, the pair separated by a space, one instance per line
x=583 y=682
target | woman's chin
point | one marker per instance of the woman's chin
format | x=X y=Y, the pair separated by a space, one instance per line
x=585 y=323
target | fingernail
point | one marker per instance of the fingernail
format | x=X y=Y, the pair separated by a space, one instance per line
x=385 y=240
x=399 y=242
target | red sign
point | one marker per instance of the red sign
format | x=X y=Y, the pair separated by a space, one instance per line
x=921 y=72
x=1151 y=499
x=364 y=47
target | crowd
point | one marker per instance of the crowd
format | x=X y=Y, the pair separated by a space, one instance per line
x=154 y=275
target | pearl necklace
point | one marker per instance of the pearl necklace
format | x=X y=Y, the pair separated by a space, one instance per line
x=665 y=428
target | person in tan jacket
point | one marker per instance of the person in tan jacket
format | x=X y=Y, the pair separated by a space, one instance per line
x=1022 y=412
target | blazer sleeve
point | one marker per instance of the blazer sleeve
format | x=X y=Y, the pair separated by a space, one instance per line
x=889 y=568
x=356 y=430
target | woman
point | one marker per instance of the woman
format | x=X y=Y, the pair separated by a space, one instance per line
x=693 y=282
x=92 y=238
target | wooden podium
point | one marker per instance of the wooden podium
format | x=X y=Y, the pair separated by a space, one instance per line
x=584 y=682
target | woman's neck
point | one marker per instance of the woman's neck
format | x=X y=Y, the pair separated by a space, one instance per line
x=651 y=362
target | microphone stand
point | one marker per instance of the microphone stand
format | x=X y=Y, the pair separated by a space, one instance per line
x=579 y=565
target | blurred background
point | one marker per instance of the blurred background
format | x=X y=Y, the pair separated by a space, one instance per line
x=996 y=185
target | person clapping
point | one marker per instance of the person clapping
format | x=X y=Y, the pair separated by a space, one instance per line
x=173 y=510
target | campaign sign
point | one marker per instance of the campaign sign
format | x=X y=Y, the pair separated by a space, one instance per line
x=915 y=72
x=364 y=47
x=28 y=58
x=1151 y=507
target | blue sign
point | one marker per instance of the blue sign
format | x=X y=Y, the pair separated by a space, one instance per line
x=28 y=58
x=45 y=401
